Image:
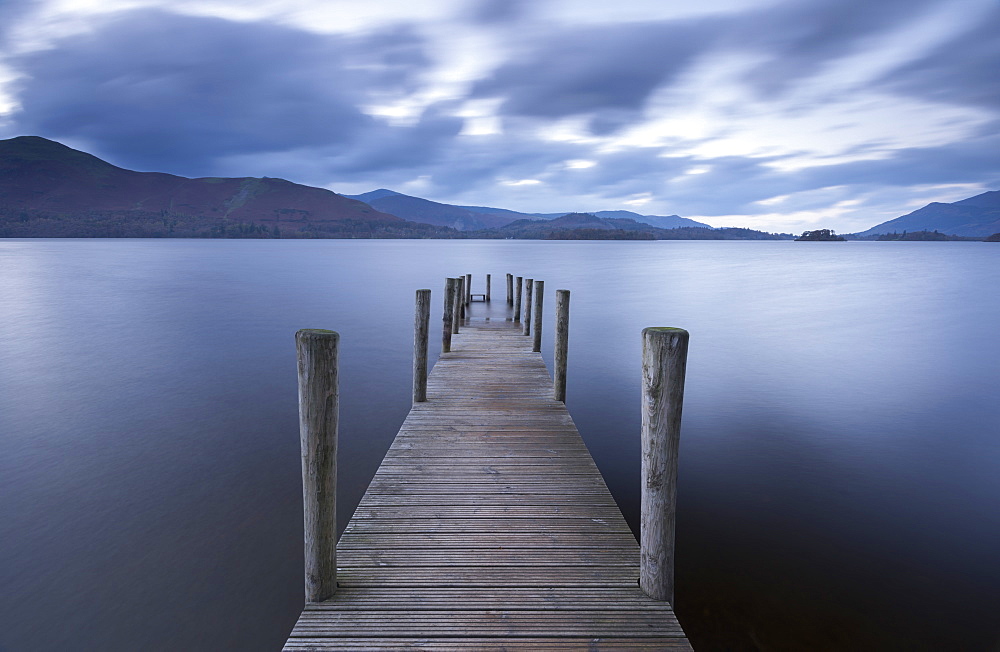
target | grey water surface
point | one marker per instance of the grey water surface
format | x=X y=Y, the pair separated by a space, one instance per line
x=840 y=459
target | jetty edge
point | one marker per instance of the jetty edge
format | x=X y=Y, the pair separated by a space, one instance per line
x=488 y=525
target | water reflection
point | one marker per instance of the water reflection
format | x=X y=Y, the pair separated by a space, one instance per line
x=838 y=483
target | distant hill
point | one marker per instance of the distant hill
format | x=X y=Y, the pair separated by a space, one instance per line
x=587 y=226
x=472 y=218
x=661 y=221
x=976 y=216
x=50 y=190
x=416 y=209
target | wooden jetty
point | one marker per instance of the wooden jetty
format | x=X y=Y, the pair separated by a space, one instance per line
x=487 y=526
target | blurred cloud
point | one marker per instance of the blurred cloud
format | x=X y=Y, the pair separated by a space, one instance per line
x=168 y=92
x=773 y=114
x=608 y=72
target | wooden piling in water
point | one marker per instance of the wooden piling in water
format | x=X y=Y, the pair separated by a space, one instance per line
x=528 y=284
x=517 y=300
x=421 y=330
x=487 y=288
x=462 y=301
x=458 y=311
x=561 y=345
x=487 y=526
x=664 y=359
x=539 y=294
x=468 y=289
x=510 y=289
x=319 y=399
x=448 y=315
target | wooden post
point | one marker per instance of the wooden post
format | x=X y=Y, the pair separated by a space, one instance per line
x=459 y=303
x=562 y=344
x=468 y=289
x=527 y=305
x=510 y=289
x=517 y=300
x=421 y=330
x=319 y=402
x=664 y=359
x=536 y=345
x=448 y=315
x=487 y=288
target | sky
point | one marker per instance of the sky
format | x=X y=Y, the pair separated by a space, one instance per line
x=780 y=115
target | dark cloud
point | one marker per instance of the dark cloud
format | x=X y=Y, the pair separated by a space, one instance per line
x=422 y=144
x=154 y=90
x=498 y=11
x=608 y=72
x=964 y=70
x=798 y=38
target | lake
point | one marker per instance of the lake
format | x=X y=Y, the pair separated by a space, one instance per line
x=840 y=457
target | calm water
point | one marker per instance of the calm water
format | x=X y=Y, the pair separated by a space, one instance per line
x=840 y=464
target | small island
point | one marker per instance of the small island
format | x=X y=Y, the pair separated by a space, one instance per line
x=820 y=235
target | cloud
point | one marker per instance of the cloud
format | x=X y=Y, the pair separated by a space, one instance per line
x=498 y=11
x=797 y=38
x=961 y=70
x=608 y=72
x=161 y=91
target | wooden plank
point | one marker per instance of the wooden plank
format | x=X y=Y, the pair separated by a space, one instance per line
x=534 y=644
x=488 y=526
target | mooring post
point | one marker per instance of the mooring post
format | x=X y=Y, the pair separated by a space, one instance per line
x=448 y=315
x=421 y=332
x=562 y=344
x=468 y=289
x=459 y=303
x=510 y=289
x=319 y=402
x=528 y=283
x=487 y=288
x=536 y=345
x=664 y=359
x=517 y=300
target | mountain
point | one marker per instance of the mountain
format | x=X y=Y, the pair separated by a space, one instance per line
x=50 y=190
x=475 y=218
x=660 y=221
x=416 y=209
x=975 y=216
x=587 y=226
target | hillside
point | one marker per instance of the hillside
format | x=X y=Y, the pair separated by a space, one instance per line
x=660 y=221
x=426 y=211
x=976 y=217
x=50 y=190
x=474 y=218
x=586 y=226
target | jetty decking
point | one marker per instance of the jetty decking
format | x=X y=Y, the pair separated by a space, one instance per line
x=488 y=526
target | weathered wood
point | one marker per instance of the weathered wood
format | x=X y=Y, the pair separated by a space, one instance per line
x=421 y=332
x=536 y=346
x=319 y=402
x=459 y=304
x=448 y=314
x=487 y=288
x=517 y=299
x=664 y=359
x=561 y=345
x=510 y=289
x=528 y=285
x=468 y=288
x=488 y=526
